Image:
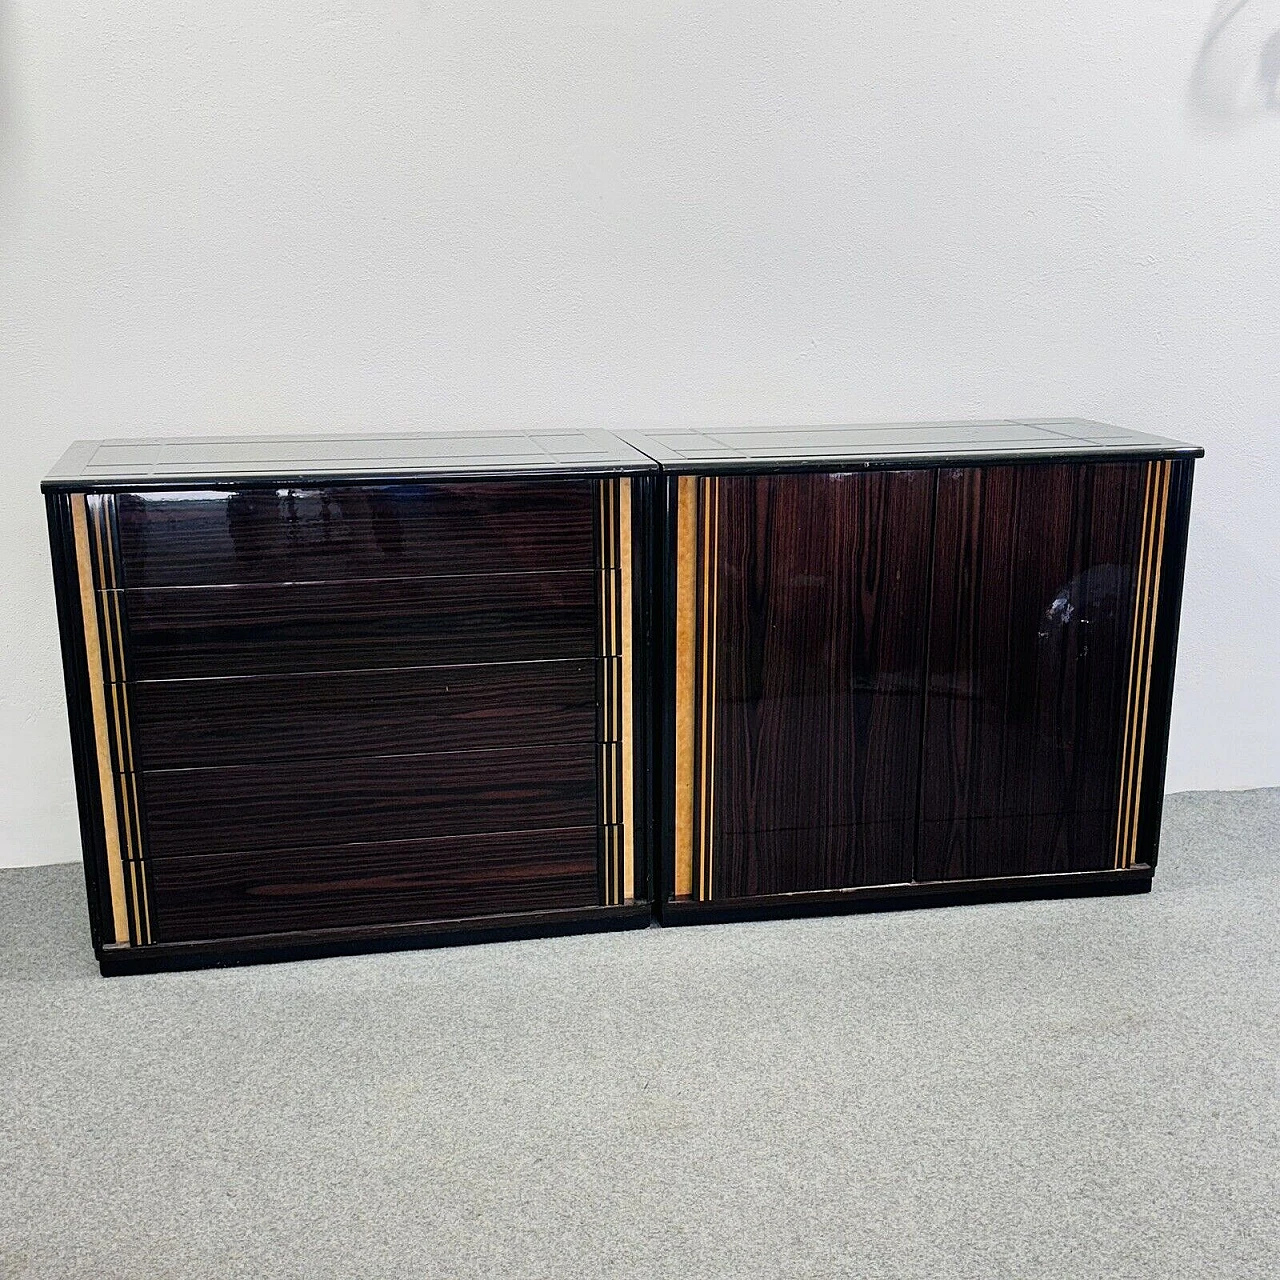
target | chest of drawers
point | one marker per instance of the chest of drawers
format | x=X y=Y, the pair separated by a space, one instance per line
x=346 y=692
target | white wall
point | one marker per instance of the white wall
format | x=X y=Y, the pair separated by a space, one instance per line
x=385 y=214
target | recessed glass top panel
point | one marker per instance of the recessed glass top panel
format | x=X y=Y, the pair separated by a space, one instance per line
x=1016 y=439
x=289 y=457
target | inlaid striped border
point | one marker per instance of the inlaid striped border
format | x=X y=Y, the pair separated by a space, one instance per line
x=93 y=529
x=697 y=581
x=1155 y=513
x=617 y=752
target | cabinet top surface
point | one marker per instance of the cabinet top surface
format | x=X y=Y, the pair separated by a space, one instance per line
x=908 y=443
x=289 y=458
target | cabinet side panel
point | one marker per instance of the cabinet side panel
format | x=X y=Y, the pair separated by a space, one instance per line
x=67 y=595
x=88 y=544
x=1037 y=573
x=1165 y=644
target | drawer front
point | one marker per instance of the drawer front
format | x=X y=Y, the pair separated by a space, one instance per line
x=179 y=632
x=460 y=877
x=381 y=797
x=336 y=533
x=329 y=715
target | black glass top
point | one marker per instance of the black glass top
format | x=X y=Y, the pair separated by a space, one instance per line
x=286 y=458
x=1013 y=439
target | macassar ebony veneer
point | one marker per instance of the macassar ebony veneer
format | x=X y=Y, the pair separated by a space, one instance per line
x=913 y=664
x=338 y=693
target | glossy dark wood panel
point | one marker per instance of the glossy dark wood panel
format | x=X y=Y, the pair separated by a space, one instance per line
x=815 y=858
x=339 y=714
x=1032 y=618
x=370 y=531
x=248 y=808
x=819 y=669
x=373 y=884
x=293 y=627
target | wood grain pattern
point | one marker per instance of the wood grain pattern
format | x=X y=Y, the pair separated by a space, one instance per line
x=229 y=895
x=353 y=531
x=706 y=707
x=1034 y=583
x=245 y=808
x=685 y=610
x=809 y=859
x=809 y=679
x=340 y=714
x=295 y=627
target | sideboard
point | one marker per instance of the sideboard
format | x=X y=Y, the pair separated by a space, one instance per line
x=912 y=664
x=339 y=693
x=345 y=692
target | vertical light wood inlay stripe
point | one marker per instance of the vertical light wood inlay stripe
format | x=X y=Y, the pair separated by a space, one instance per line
x=628 y=695
x=1153 y=594
x=686 y=602
x=98 y=705
x=1139 y=596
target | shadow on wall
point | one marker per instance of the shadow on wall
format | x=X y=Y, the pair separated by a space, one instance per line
x=1237 y=74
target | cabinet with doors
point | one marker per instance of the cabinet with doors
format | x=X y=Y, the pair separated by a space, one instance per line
x=913 y=663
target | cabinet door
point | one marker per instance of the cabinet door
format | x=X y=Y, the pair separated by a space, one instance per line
x=799 y=665
x=1045 y=579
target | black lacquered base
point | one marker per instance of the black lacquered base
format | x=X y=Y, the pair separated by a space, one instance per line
x=267 y=948
x=899 y=897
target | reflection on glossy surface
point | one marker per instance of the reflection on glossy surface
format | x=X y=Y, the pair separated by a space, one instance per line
x=284 y=535
x=819 y=662
x=1029 y=664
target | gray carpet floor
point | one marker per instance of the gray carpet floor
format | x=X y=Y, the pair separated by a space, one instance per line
x=1079 y=1088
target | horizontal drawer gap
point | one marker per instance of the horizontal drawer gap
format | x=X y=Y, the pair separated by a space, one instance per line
x=484 y=836
x=498 y=753
x=339 y=582
x=349 y=671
